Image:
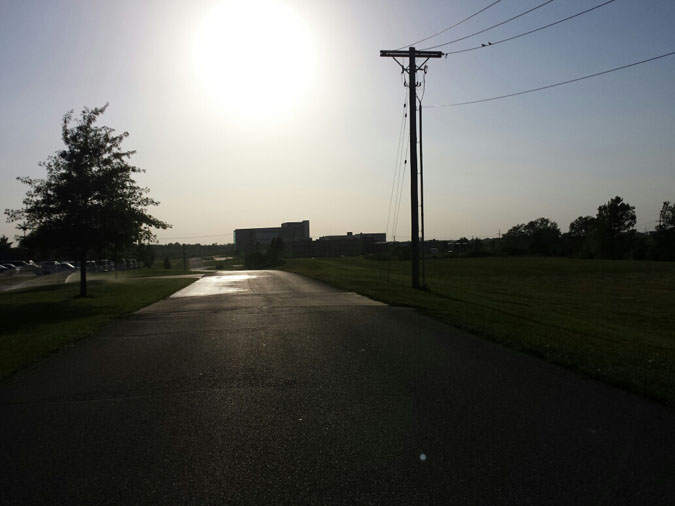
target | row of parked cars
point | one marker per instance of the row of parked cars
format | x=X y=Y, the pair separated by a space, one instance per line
x=29 y=267
x=50 y=267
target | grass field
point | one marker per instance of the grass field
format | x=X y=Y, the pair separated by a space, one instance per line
x=613 y=320
x=32 y=279
x=38 y=321
x=157 y=269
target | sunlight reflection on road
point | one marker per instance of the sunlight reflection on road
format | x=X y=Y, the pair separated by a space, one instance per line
x=217 y=285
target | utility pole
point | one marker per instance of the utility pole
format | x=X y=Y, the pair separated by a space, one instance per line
x=412 y=69
x=424 y=272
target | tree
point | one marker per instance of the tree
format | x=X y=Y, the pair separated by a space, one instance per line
x=665 y=232
x=616 y=216
x=667 y=217
x=581 y=238
x=5 y=247
x=275 y=251
x=538 y=237
x=515 y=240
x=89 y=200
x=582 y=227
x=544 y=235
x=614 y=220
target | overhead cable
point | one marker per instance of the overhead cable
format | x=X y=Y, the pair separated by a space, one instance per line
x=482 y=46
x=553 y=85
x=401 y=185
x=490 y=27
x=450 y=27
x=399 y=153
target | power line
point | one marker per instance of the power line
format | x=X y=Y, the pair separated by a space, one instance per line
x=399 y=149
x=553 y=85
x=452 y=26
x=400 y=192
x=490 y=27
x=530 y=31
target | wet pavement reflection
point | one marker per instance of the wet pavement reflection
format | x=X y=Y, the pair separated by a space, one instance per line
x=219 y=284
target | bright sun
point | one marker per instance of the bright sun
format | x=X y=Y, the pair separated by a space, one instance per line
x=248 y=56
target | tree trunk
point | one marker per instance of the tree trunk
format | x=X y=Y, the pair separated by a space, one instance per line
x=83 y=275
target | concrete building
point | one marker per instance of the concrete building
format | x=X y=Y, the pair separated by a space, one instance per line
x=247 y=240
x=347 y=245
x=371 y=237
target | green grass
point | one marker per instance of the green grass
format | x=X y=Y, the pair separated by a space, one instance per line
x=613 y=320
x=7 y=281
x=38 y=321
x=232 y=263
x=157 y=269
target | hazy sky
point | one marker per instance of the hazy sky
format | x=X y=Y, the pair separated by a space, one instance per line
x=250 y=113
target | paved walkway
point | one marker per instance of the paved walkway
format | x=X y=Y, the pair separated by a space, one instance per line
x=280 y=390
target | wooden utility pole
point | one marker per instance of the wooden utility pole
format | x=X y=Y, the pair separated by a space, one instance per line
x=412 y=69
x=424 y=273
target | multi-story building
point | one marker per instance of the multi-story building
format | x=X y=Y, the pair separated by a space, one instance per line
x=247 y=240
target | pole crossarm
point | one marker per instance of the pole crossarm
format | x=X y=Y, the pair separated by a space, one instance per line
x=386 y=53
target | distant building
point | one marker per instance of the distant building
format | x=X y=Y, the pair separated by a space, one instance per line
x=297 y=243
x=247 y=240
x=373 y=237
x=347 y=245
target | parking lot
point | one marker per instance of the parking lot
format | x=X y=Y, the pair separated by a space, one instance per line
x=18 y=274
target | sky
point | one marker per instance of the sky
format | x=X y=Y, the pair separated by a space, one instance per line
x=249 y=114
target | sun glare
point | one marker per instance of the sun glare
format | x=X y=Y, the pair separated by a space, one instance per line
x=248 y=57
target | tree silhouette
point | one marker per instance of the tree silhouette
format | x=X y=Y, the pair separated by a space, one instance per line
x=667 y=217
x=5 y=247
x=614 y=220
x=665 y=232
x=89 y=200
x=544 y=236
x=537 y=237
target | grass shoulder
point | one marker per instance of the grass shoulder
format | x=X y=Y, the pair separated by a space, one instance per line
x=612 y=320
x=42 y=320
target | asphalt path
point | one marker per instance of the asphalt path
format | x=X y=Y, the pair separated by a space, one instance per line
x=280 y=390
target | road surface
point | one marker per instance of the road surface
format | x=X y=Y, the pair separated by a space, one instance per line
x=280 y=390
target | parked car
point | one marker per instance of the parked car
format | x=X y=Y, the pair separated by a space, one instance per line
x=49 y=267
x=25 y=266
x=66 y=266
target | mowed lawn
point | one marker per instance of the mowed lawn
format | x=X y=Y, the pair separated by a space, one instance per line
x=614 y=320
x=40 y=320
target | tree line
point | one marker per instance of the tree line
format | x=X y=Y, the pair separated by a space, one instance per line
x=177 y=250
x=609 y=234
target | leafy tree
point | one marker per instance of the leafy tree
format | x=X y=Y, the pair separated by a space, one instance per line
x=614 y=220
x=145 y=255
x=538 y=237
x=665 y=232
x=275 y=250
x=5 y=247
x=667 y=217
x=89 y=200
x=580 y=240
x=616 y=216
x=515 y=240
x=582 y=227
x=544 y=235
